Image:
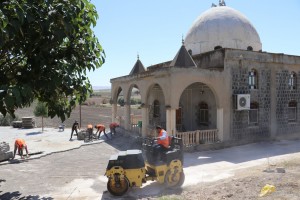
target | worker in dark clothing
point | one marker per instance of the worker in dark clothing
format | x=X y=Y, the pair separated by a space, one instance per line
x=74 y=128
x=90 y=131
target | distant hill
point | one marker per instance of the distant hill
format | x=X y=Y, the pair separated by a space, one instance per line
x=101 y=87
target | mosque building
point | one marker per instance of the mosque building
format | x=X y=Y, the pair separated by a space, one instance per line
x=220 y=87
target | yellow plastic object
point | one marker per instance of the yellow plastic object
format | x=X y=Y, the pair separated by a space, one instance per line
x=267 y=189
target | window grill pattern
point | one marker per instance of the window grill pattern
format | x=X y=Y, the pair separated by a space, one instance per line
x=252 y=79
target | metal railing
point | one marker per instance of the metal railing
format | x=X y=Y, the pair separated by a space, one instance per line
x=134 y=125
x=194 y=138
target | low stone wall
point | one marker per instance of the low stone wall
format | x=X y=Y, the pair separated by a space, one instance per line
x=17 y=124
x=5 y=153
x=28 y=122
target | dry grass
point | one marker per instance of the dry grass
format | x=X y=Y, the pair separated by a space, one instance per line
x=93 y=111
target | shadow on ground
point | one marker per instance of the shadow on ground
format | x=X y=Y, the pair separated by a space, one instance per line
x=34 y=133
x=136 y=192
x=19 y=196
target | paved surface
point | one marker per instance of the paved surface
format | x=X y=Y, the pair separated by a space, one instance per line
x=42 y=143
x=79 y=173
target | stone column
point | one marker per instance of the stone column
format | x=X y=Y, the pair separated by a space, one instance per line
x=114 y=112
x=145 y=120
x=171 y=120
x=220 y=122
x=127 y=116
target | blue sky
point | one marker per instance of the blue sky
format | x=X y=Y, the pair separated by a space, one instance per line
x=153 y=29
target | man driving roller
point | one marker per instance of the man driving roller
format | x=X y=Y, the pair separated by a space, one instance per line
x=162 y=141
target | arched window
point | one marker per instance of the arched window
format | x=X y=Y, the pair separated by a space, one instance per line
x=156 y=109
x=203 y=113
x=252 y=79
x=218 y=47
x=249 y=48
x=253 y=114
x=292 y=81
x=292 y=111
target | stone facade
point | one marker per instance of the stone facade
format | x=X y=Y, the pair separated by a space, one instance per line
x=218 y=76
x=272 y=95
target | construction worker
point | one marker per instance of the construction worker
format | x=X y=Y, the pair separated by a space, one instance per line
x=162 y=141
x=20 y=145
x=75 y=126
x=100 y=128
x=113 y=127
x=90 y=131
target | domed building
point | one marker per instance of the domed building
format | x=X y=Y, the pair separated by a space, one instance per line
x=222 y=27
x=220 y=86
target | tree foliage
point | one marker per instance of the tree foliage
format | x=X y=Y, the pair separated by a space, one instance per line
x=46 y=48
x=41 y=110
x=7 y=120
x=121 y=101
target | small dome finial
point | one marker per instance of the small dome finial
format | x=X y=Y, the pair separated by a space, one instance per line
x=222 y=3
x=182 y=40
x=138 y=56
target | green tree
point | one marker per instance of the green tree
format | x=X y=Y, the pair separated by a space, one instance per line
x=121 y=101
x=41 y=110
x=46 y=48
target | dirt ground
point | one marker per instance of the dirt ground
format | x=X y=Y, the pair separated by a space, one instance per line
x=247 y=184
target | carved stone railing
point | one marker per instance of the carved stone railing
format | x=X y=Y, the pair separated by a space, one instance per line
x=194 y=138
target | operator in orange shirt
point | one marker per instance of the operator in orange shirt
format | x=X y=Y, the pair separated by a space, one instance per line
x=162 y=141
x=20 y=145
x=100 y=128
x=112 y=128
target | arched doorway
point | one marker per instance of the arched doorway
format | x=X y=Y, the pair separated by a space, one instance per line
x=134 y=100
x=118 y=101
x=157 y=108
x=197 y=109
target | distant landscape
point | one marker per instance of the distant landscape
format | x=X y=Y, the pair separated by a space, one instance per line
x=101 y=87
x=96 y=109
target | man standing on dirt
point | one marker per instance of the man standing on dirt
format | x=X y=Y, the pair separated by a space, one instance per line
x=113 y=127
x=100 y=128
x=74 y=128
x=20 y=145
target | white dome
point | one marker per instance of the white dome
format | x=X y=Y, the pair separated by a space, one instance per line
x=223 y=27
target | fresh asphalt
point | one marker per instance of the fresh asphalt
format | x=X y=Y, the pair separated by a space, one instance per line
x=78 y=172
